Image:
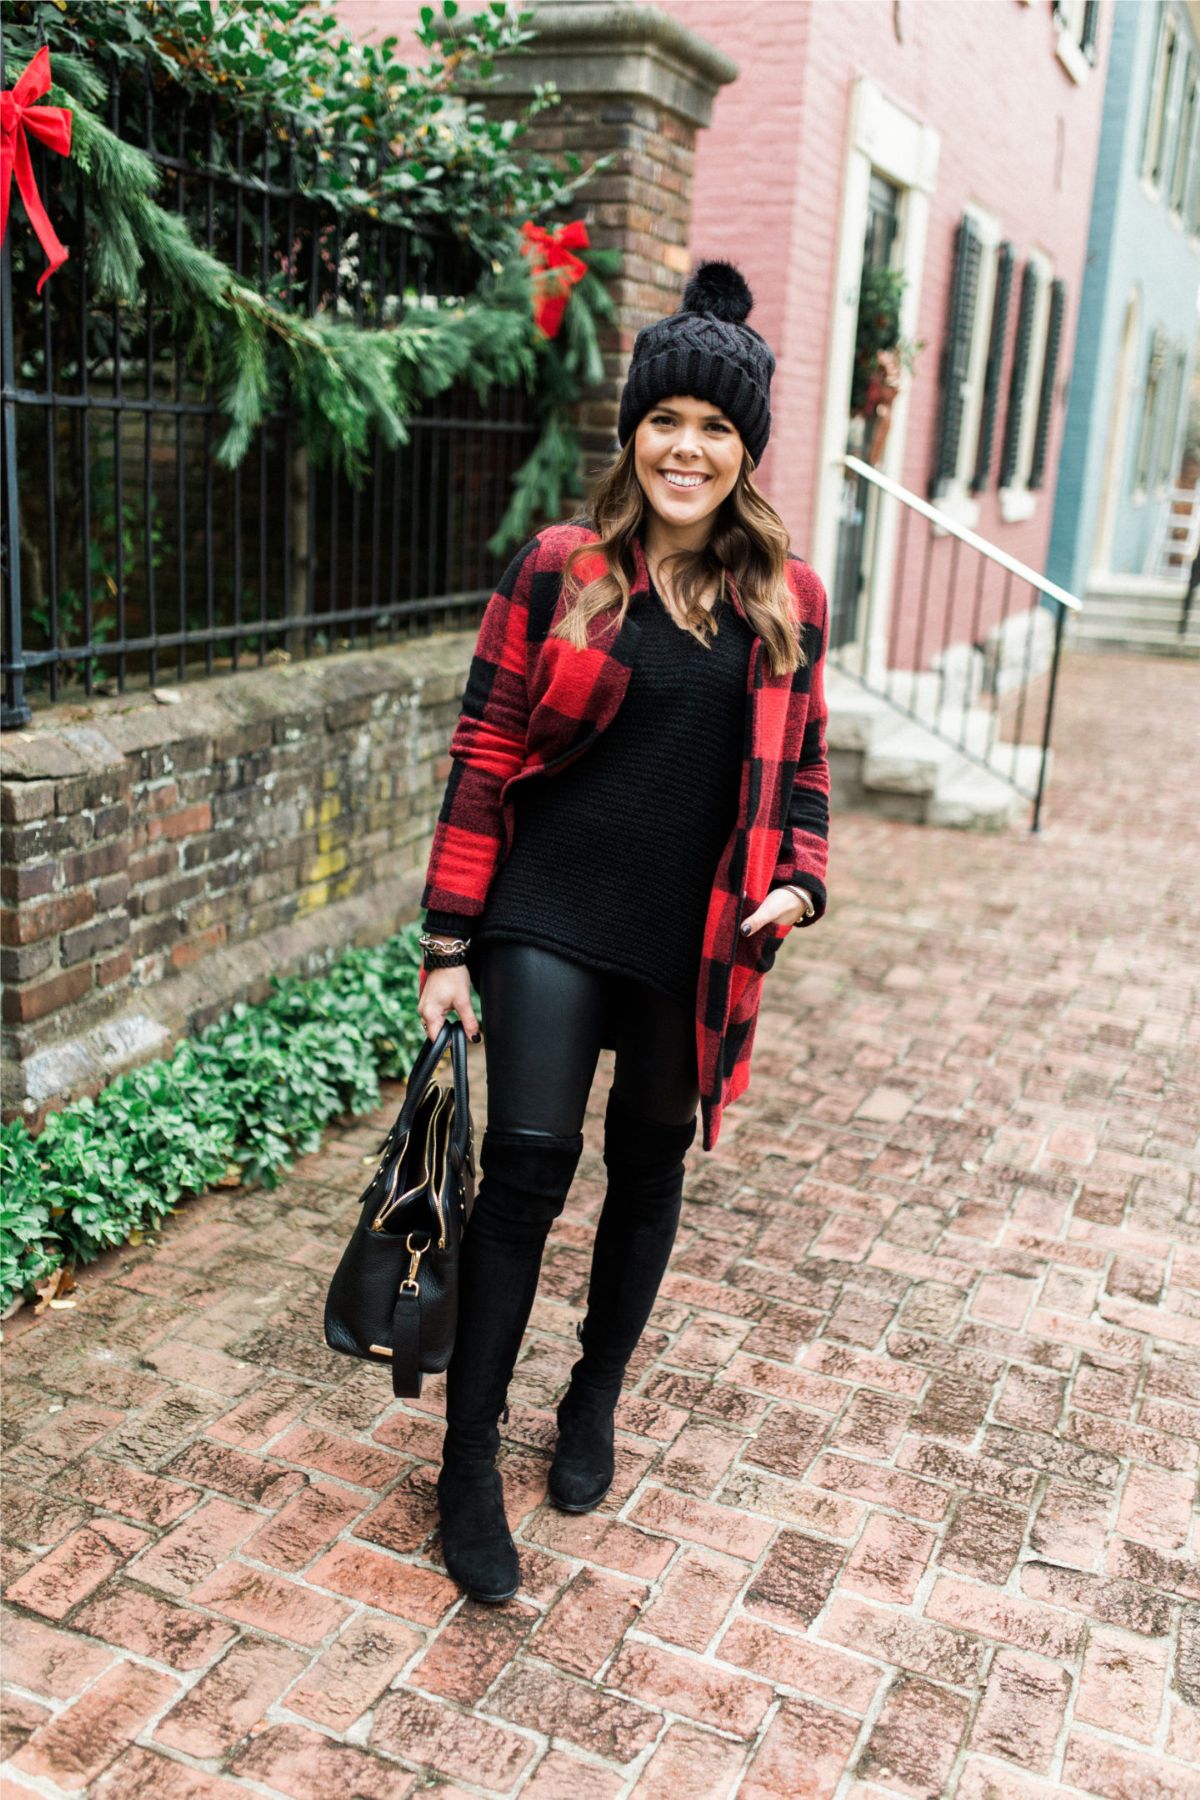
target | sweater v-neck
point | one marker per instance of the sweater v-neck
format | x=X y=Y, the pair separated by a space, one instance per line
x=655 y=595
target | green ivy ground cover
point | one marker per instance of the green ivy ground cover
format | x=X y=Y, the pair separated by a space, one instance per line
x=237 y=1102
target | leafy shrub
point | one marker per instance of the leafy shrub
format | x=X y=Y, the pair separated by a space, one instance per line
x=29 y=1250
x=236 y=1103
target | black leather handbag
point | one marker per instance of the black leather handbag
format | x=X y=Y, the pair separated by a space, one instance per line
x=394 y=1295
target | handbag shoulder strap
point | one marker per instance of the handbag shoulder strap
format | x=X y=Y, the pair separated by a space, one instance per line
x=406 y=1345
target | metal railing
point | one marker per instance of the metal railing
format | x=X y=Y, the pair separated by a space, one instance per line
x=130 y=554
x=954 y=634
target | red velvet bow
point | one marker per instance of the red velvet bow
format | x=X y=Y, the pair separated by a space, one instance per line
x=52 y=125
x=555 y=270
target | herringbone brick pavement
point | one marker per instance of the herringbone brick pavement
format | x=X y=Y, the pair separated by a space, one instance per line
x=906 y=1492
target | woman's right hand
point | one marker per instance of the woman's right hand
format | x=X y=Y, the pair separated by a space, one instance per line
x=444 y=991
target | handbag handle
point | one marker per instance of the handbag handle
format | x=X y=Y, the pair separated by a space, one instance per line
x=452 y=1036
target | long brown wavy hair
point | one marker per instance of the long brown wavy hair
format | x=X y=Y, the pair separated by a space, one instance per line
x=748 y=541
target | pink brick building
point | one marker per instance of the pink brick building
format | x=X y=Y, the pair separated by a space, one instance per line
x=920 y=113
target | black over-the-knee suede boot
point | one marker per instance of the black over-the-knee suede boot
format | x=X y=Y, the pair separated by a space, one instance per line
x=637 y=1226
x=524 y=1182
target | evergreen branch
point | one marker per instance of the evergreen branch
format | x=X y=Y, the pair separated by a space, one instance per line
x=343 y=381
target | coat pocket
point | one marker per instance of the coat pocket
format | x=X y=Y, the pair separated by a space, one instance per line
x=766 y=945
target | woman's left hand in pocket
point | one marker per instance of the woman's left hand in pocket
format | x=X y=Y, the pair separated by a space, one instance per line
x=780 y=907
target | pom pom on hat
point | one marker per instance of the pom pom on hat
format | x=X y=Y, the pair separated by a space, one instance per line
x=719 y=289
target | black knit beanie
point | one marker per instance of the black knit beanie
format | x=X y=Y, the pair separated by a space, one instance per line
x=707 y=350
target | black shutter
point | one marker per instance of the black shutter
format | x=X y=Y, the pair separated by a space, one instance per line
x=956 y=352
x=991 y=380
x=1019 y=376
x=1091 y=16
x=1058 y=301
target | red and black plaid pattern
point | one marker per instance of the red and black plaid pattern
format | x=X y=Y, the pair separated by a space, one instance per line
x=533 y=703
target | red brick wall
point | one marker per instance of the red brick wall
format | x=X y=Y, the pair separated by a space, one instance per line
x=160 y=862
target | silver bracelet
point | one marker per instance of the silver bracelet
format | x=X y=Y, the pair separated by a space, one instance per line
x=802 y=894
x=428 y=942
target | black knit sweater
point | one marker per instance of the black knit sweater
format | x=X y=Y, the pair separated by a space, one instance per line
x=613 y=857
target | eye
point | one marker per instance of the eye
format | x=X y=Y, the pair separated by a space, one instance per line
x=666 y=419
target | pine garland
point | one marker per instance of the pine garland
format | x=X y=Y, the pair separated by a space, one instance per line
x=342 y=382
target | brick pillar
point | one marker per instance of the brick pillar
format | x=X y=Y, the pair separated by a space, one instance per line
x=638 y=84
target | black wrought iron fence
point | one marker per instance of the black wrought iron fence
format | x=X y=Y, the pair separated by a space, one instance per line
x=131 y=556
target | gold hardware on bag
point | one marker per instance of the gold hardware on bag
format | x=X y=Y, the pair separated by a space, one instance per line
x=381 y=1349
x=415 y=1253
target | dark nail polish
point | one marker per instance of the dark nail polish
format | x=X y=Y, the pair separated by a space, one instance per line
x=477 y=1038
x=746 y=929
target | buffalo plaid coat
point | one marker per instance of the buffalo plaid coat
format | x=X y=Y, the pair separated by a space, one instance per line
x=533 y=703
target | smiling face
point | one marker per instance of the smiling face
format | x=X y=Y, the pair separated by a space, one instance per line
x=687 y=456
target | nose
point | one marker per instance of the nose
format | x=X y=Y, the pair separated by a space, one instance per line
x=689 y=441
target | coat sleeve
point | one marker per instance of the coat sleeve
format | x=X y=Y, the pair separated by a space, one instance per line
x=486 y=747
x=804 y=850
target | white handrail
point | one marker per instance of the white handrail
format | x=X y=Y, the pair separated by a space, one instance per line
x=945 y=523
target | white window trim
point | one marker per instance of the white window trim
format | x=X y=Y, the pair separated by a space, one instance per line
x=1071 y=56
x=1116 y=453
x=1184 y=160
x=1019 y=501
x=1170 y=425
x=1148 y=420
x=955 y=497
x=1162 y=82
x=1068 y=39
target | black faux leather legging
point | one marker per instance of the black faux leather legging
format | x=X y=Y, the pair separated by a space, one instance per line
x=545 y=1020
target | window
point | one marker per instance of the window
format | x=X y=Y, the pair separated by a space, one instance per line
x=1030 y=389
x=956 y=351
x=995 y=358
x=975 y=330
x=1075 y=23
x=1187 y=148
x=1151 y=401
x=1045 y=409
x=1154 y=140
x=1168 y=433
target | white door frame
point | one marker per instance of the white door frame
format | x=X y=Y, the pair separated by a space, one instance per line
x=883 y=138
x=1118 y=432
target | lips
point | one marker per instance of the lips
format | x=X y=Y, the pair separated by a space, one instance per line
x=692 y=481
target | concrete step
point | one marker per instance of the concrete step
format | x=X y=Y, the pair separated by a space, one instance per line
x=915 y=773
x=1148 y=612
x=907 y=757
x=1133 y=587
x=1147 y=642
x=970 y=799
x=904 y=758
x=854 y=714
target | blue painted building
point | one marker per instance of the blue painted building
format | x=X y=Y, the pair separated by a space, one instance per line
x=1139 y=323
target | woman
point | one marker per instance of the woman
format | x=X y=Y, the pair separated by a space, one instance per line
x=670 y=635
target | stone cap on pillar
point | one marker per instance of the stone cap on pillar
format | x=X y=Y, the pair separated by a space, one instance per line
x=606 y=47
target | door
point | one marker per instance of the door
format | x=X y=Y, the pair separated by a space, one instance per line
x=859 y=498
